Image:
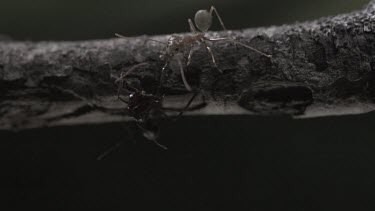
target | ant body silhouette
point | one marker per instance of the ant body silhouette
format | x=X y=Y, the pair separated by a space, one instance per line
x=145 y=107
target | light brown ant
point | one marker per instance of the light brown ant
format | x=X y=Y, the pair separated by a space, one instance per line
x=177 y=45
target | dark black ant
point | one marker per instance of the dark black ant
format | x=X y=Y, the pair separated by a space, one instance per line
x=145 y=107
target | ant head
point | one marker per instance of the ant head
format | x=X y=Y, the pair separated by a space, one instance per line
x=203 y=20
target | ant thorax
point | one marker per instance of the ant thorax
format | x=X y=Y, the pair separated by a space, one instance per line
x=174 y=46
x=181 y=44
x=141 y=104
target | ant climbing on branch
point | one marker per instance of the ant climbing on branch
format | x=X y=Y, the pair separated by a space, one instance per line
x=177 y=45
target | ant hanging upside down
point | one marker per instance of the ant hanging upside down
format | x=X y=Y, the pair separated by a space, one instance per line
x=177 y=45
x=145 y=107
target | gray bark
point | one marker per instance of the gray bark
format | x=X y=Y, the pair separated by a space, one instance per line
x=320 y=67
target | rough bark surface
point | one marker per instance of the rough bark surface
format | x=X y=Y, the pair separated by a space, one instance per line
x=318 y=68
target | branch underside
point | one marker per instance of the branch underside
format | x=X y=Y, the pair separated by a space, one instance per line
x=322 y=67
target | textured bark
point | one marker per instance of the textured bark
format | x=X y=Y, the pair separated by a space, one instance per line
x=320 y=67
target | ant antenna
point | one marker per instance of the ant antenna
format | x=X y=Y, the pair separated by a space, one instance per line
x=213 y=9
x=251 y=48
x=121 y=36
x=239 y=43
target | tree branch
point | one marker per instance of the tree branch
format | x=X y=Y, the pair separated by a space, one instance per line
x=320 y=67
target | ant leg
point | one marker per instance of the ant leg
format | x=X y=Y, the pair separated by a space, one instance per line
x=187 y=106
x=109 y=151
x=163 y=72
x=122 y=36
x=192 y=27
x=251 y=48
x=187 y=86
x=239 y=43
x=162 y=76
x=217 y=39
x=116 y=145
x=124 y=74
x=123 y=100
x=212 y=56
x=218 y=16
x=190 y=55
x=119 y=93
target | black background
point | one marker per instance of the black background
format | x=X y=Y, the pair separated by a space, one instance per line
x=253 y=162
x=93 y=19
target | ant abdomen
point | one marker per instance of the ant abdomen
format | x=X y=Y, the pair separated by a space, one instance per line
x=203 y=20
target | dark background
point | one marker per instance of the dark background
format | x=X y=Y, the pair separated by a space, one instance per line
x=264 y=163
x=93 y=19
